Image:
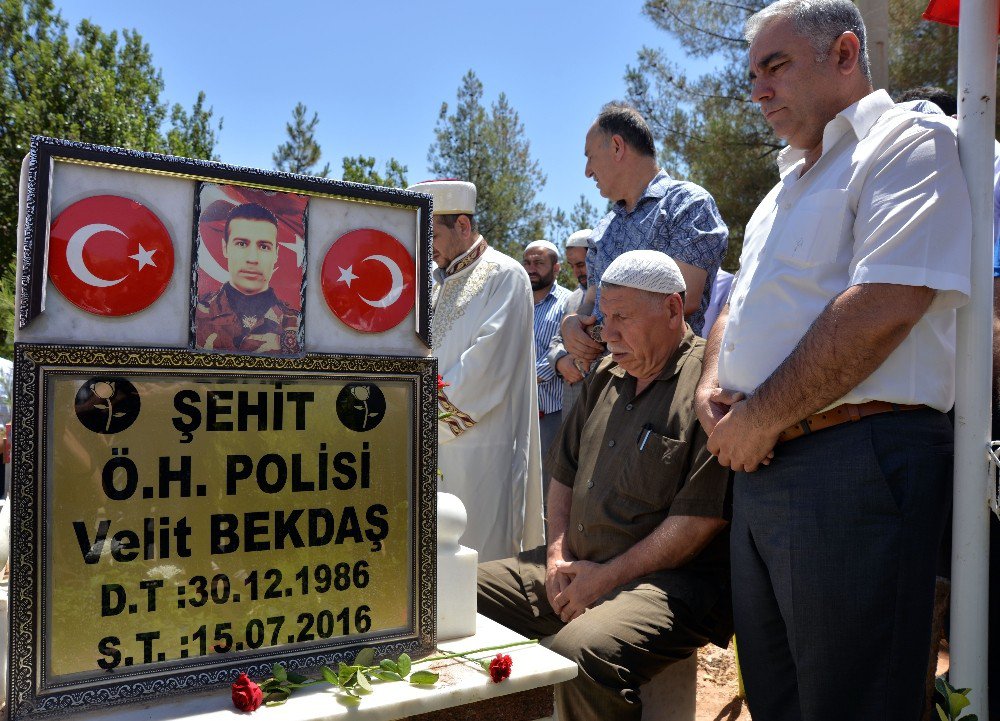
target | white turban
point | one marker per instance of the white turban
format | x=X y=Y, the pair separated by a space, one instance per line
x=645 y=270
x=451 y=197
x=542 y=245
x=579 y=238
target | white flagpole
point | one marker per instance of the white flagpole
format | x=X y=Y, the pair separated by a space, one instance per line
x=977 y=73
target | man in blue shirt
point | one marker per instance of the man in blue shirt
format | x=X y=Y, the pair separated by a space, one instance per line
x=541 y=261
x=652 y=211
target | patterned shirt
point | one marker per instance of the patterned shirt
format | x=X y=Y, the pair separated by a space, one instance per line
x=548 y=315
x=672 y=216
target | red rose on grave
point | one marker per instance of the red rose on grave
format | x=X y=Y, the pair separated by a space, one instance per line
x=500 y=667
x=247 y=695
x=441 y=384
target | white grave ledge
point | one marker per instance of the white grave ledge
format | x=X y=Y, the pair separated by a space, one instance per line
x=535 y=671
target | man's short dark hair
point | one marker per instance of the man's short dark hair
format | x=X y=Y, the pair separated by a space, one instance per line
x=939 y=96
x=622 y=119
x=449 y=221
x=248 y=211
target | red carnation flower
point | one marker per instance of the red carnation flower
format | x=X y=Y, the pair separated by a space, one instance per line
x=441 y=384
x=247 y=695
x=500 y=667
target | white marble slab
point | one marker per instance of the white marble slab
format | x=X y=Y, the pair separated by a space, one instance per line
x=460 y=683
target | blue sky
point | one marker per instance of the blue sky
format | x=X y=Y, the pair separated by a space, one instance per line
x=378 y=71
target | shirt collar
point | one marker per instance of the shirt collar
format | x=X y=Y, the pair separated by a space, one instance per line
x=463 y=261
x=551 y=293
x=674 y=365
x=860 y=118
x=656 y=189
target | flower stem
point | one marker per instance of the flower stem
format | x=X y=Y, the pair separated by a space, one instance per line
x=465 y=654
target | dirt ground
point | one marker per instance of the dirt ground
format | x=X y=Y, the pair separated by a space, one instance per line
x=718 y=688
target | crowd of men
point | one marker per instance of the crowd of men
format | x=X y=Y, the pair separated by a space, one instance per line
x=774 y=456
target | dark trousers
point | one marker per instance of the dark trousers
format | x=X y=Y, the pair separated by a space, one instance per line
x=834 y=548
x=620 y=643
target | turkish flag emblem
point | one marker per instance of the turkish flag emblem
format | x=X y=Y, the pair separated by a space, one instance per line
x=368 y=280
x=110 y=255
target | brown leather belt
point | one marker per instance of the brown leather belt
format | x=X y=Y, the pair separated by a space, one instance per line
x=841 y=414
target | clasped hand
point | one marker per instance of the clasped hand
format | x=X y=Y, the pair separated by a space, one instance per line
x=574 y=586
x=734 y=436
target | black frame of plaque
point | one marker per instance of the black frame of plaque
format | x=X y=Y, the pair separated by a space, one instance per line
x=46 y=151
x=28 y=697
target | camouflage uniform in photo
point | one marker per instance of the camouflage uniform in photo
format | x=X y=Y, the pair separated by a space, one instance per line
x=274 y=331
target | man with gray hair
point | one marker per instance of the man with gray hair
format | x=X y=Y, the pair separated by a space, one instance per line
x=828 y=375
x=651 y=211
x=635 y=575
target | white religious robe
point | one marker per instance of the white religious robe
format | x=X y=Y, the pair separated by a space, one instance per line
x=489 y=451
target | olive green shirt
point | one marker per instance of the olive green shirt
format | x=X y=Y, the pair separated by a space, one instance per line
x=626 y=481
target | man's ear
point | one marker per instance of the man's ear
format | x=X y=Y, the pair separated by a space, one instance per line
x=464 y=226
x=847 y=50
x=225 y=249
x=618 y=145
x=556 y=267
x=675 y=309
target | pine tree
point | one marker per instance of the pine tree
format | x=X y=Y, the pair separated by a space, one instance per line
x=490 y=149
x=300 y=153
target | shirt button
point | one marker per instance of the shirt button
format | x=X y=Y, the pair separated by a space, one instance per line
x=611 y=444
x=730 y=346
x=590 y=484
x=628 y=407
x=579 y=526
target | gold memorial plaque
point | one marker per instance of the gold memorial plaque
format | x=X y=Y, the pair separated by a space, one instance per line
x=184 y=516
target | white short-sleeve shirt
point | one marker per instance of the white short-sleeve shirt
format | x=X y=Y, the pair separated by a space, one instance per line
x=885 y=203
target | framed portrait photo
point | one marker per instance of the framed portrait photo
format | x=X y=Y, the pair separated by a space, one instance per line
x=248 y=280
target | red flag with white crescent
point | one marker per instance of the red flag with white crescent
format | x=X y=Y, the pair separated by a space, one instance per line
x=368 y=280
x=110 y=255
x=945 y=12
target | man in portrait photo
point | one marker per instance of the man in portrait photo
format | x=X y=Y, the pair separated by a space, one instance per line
x=245 y=314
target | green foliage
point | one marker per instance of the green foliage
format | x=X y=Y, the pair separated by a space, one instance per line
x=361 y=169
x=300 y=153
x=98 y=87
x=7 y=315
x=949 y=701
x=489 y=148
x=708 y=129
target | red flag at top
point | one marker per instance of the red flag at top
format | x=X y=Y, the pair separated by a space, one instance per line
x=945 y=12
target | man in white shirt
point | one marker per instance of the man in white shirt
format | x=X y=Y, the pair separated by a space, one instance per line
x=828 y=374
x=481 y=333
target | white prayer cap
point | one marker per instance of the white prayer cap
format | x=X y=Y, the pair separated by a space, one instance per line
x=921 y=106
x=646 y=270
x=451 y=197
x=579 y=238
x=542 y=245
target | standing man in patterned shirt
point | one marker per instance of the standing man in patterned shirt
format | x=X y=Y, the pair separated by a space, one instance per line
x=652 y=211
x=541 y=260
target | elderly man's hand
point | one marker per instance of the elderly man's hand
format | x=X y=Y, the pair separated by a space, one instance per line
x=741 y=441
x=588 y=582
x=711 y=404
x=568 y=370
x=577 y=341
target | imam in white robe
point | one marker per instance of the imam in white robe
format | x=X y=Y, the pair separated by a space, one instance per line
x=489 y=453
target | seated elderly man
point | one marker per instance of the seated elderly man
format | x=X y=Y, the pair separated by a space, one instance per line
x=636 y=572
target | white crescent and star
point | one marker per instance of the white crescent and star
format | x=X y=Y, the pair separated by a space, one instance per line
x=74 y=255
x=396 y=290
